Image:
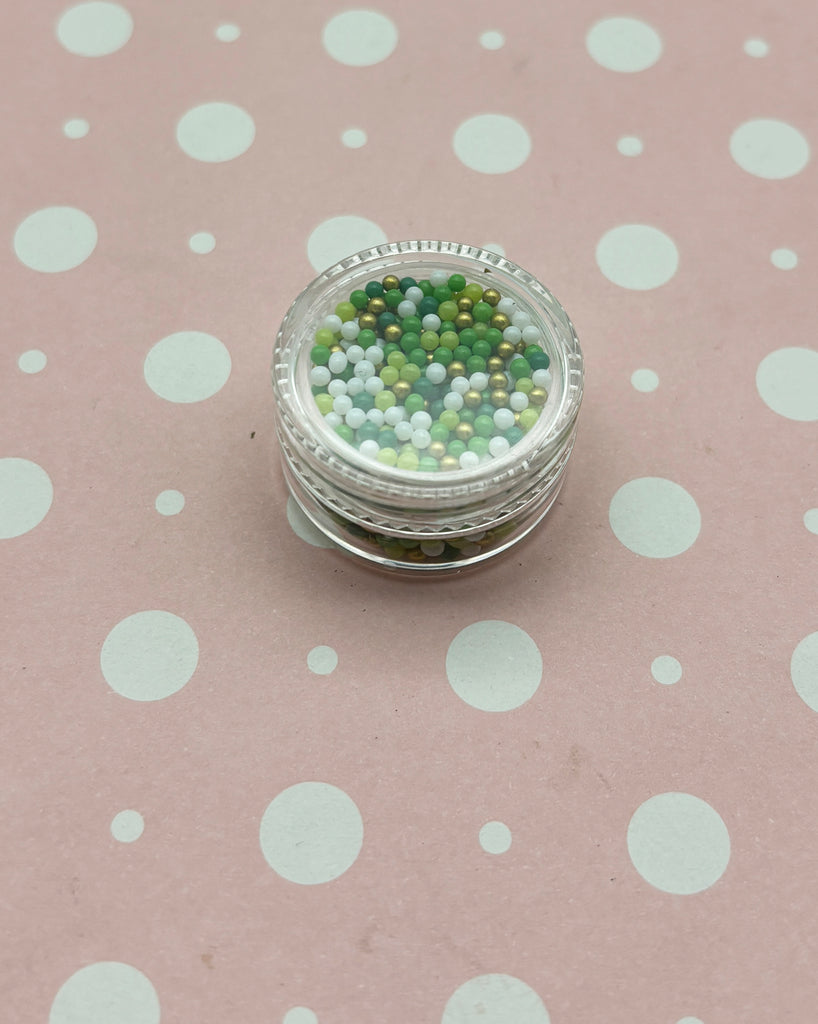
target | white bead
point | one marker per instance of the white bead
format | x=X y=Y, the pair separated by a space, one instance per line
x=454 y=400
x=375 y=416
x=373 y=385
x=374 y=354
x=517 y=401
x=349 y=330
x=431 y=322
x=364 y=369
x=436 y=372
x=337 y=362
x=507 y=306
x=479 y=381
x=337 y=387
x=531 y=335
x=520 y=319
x=503 y=419
x=438 y=278
x=432 y=547
x=320 y=376
x=414 y=294
x=421 y=439
x=355 y=418
x=420 y=420
x=513 y=334
x=394 y=415
x=342 y=404
x=355 y=353
x=333 y=323
x=460 y=385
x=403 y=430
x=541 y=378
x=332 y=419
x=468 y=460
x=406 y=308
x=369 y=449
x=498 y=446
x=354 y=386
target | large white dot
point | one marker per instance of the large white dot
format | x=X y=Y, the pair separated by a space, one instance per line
x=787 y=381
x=127 y=826
x=149 y=655
x=55 y=238
x=322 y=660
x=228 y=32
x=769 y=149
x=678 y=843
x=76 y=128
x=202 y=243
x=495 y=999
x=169 y=503
x=300 y=1015
x=654 y=517
x=784 y=259
x=629 y=145
x=804 y=670
x=811 y=520
x=359 y=38
x=354 y=138
x=637 y=256
x=495 y=837
x=492 y=40
x=33 y=360
x=338 y=237
x=105 y=992
x=666 y=669
x=26 y=494
x=492 y=143
x=624 y=44
x=188 y=366
x=494 y=665
x=94 y=29
x=645 y=380
x=303 y=528
x=215 y=132
x=311 y=833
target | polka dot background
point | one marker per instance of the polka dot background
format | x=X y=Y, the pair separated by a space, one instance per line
x=247 y=779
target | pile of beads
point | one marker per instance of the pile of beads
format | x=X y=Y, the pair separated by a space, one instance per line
x=438 y=374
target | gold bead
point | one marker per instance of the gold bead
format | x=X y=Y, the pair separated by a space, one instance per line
x=377 y=305
x=464 y=431
x=491 y=296
x=520 y=348
x=472 y=399
x=449 y=462
x=430 y=357
x=336 y=348
x=392 y=332
x=494 y=364
x=401 y=389
x=499 y=398
x=465 y=304
x=505 y=349
x=367 y=321
x=537 y=396
x=416 y=555
x=497 y=381
x=500 y=321
x=456 y=369
x=463 y=320
x=437 y=449
x=516 y=419
x=390 y=282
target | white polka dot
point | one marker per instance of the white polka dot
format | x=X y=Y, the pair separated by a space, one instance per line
x=495 y=837
x=492 y=40
x=666 y=670
x=55 y=238
x=149 y=655
x=784 y=259
x=494 y=665
x=76 y=128
x=678 y=843
x=769 y=148
x=624 y=44
x=492 y=143
x=354 y=138
x=645 y=380
x=311 y=833
x=215 y=132
x=811 y=520
x=756 y=48
x=105 y=992
x=26 y=494
x=32 y=361
x=495 y=999
x=654 y=517
x=303 y=528
x=338 y=237
x=170 y=503
x=127 y=826
x=629 y=145
x=188 y=366
x=94 y=29
x=494 y=247
x=804 y=670
x=637 y=256
x=322 y=660
x=228 y=33
x=359 y=38
x=787 y=381
x=202 y=243
x=300 y=1015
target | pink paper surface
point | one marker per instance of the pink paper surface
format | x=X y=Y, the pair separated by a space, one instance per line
x=370 y=897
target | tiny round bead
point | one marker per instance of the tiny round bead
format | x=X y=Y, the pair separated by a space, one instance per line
x=506 y=350
x=320 y=376
x=332 y=323
x=438 y=278
x=436 y=372
x=377 y=305
x=394 y=414
x=375 y=416
x=420 y=420
x=499 y=321
x=333 y=420
x=338 y=362
x=464 y=431
x=474 y=292
x=406 y=308
x=520 y=319
x=364 y=369
x=498 y=446
x=355 y=353
x=513 y=335
x=431 y=322
x=453 y=401
x=392 y=332
x=421 y=439
x=518 y=401
x=499 y=398
x=349 y=330
x=507 y=306
x=384 y=400
x=465 y=304
x=469 y=460
x=388 y=456
x=373 y=385
x=408 y=460
x=456 y=282
x=390 y=282
x=537 y=396
x=370 y=449
x=403 y=430
x=491 y=296
x=541 y=378
x=354 y=386
x=524 y=384
x=324 y=403
x=449 y=462
x=337 y=387
x=437 y=449
x=479 y=381
x=460 y=385
x=472 y=399
x=463 y=320
x=374 y=354
x=359 y=299
x=433 y=548
x=456 y=369
x=413 y=294
x=342 y=405
x=503 y=419
x=497 y=380
x=367 y=321
x=531 y=334
x=355 y=418
x=402 y=390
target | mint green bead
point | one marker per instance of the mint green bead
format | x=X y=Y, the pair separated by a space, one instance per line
x=425 y=388
x=475 y=364
x=414 y=403
x=389 y=375
x=484 y=426
x=428 y=464
x=389 y=348
x=493 y=337
x=481 y=329
x=449 y=419
x=368 y=431
x=324 y=403
x=439 y=431
x=481 y=348
x=319 y=355
x=456 y=448
x=418 y=356
x=345 y=432
x=466 y=415
x=513 y=435
x=479 y=445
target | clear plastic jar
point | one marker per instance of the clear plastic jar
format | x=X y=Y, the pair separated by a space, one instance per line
x=415 y=521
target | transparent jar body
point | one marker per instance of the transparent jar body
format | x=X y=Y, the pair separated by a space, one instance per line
x=411 y=521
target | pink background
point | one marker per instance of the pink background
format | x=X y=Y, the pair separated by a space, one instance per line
x=193 y=903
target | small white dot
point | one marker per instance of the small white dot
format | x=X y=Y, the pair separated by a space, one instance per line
x=644 y=380
x=495 y=837
x=784 y=259
x=629 y=145
x=127 y=826
x=75 y=128
x=32 y=361
x=492 y=40
x=354 y=138
x=170 y=503
x=299 y=1015
x=811 y=520
x=494 y=247
x=756 y=48
x=322 y=660
x=202 y=243
x=228 y=33
x=666 y=670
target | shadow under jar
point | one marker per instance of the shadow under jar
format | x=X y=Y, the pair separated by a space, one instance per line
x=426 y=478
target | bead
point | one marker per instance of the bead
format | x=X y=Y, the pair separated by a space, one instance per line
x=453 y=401
x=408 y=460
x=460 y=385
x=421 y=438
x=374 y=354
x=520 y=347
x=342 y=404
x=385 y=400
x=479 y=445
x=438 y=278
x=497 y=381
x=499 y=321
x=345 y=432
x=429 y=341
x=520 y=319
x=420 y=420
x=531 y=334
x=472 y=399
x=437 y=449
x=474 y=292
x=463 y=431
x=499 y=398
x=427 y=305
x=337 y=362
x=426 y=287
x=449 y=418
x=364 y=369
x=373 y=385
x=475 y=364
x=537 y=396
x=481 y=329
x=320 y=375
x=373 y=288
x=465 y=304
x=503 y=419
x=319 y=354
x=518 y=401
x=324 y=403
x=449 y=340
x=350 y=330
x=541 y=378
x=369 y=449
x=406 y=308
x=388 y=456
x=333 y=419
x=332 y=323
x=410 y=371
x=481 y=348
x=528 y=417
x=498 y=446
x=442 y=293
x=377 y=305
x=402 y=390
x=375 y=416
x=413 y=294
x=390 y=282
x=447 y=310
x=394 y=414
x=403 y=430
x=345 y=311
x=469 y=460
x=463 y=321
x=505 y=350
x=414 y=403
x=482 y=312
x=355 y=417
x=354 y=386
x=406 y=283
x=355 y=353
x=359 y=298
x=337 y=387
x=449 y=462
x=367 y=321
x=539 y=360
x=494 y=364
x=456 y=369
x=456 y=282
x=436 y=372
x=393 y=298
x=506 y=305
x=427 y=464
x=431 y=322
x=524 y=384
x=392 y=333
x=519 y=368
x=442 y=355
x=389 y=375
x=484 y=426
x=491 y=296
x=479 y=381
x=336 y=348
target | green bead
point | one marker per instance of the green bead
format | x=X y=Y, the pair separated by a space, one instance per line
x=407 y=282
x=393 y=298
x=385 y=400
x=410 y=372
x=427 y=305
x=513 y=435
x=446 y=310
x=481 y=329
x=389 y=348
x=493 y=337
x=461 y=353
x=320 y=355
x=425 y=287
x=524 y=384
x=387 y=438
x=366 y=337
x=484 y=426
x=475 y=364
x=345 y=432
x=468 y=336
x=429 y=341
x=449 y=340
x=418 y=356
x=389 y=375
x=426 y=389
x=482 y=312
x=428 y=464
x=414 y=403
x=409 y=342
x=368 y=431
x=363 y=400
x=412 y=323
x=539 y=360
x=443 y=355
x=436 y=408
x=528 y=417
x=324 y=336
x=396 y=359
x=388 y=456
x=373 y=289
x=447 y=325
x=448 y=418
x=479 y=445
x=486 y=409
x=439 y=431
x=457 y=283
x=359 y=299
x=347 y=374
x=324 y=403
x=385 y=319
x=408 y=460
x=456 y=448
x=346 y=311
x=519 y=368
x=473 y=292
x=482 y=348
x=466 y=415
